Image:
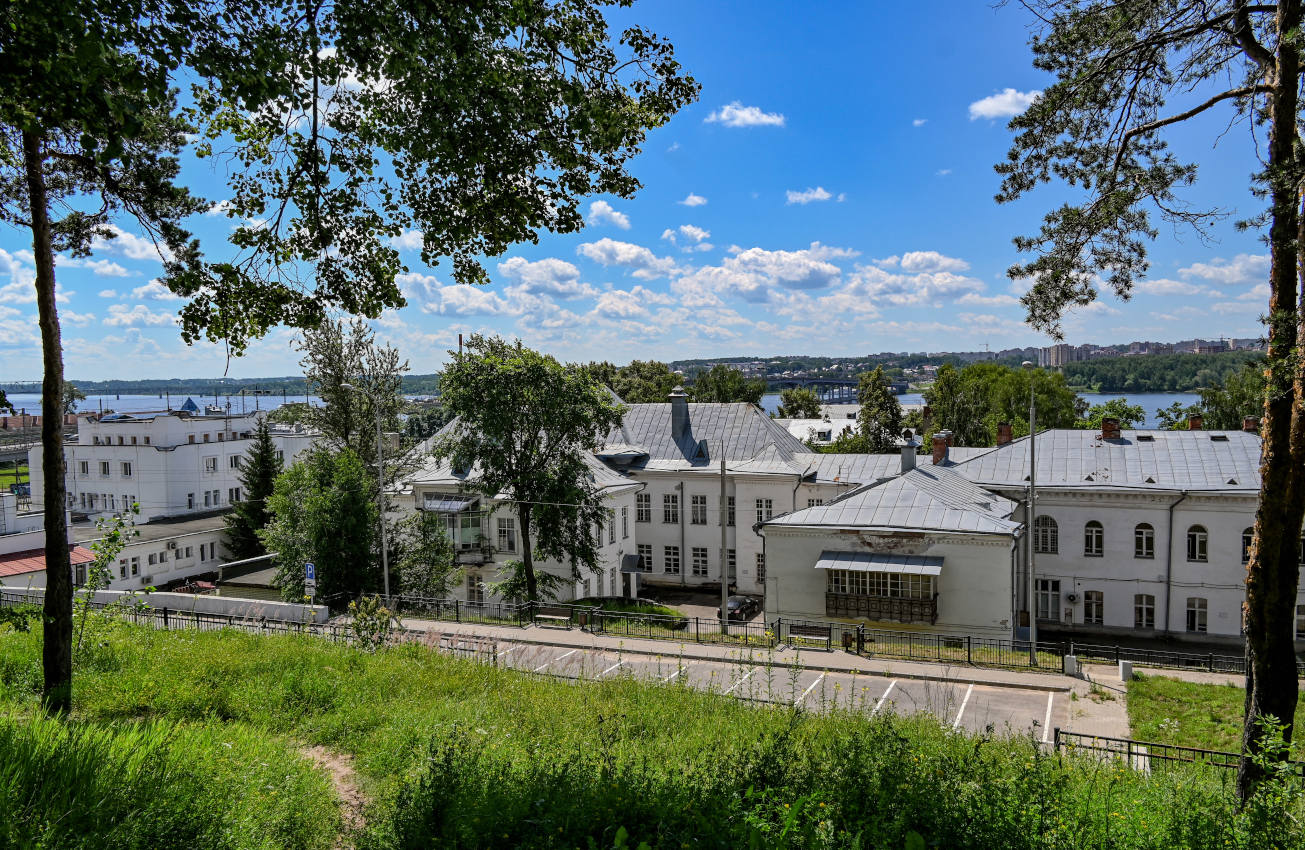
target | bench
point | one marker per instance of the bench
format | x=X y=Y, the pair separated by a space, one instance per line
x=553 y=616
x=801 y=630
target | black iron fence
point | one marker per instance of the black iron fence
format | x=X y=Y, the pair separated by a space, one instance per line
x=1209 y=661
x=1146 y=756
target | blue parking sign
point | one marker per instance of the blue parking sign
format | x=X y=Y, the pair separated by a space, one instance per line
x=310 y=571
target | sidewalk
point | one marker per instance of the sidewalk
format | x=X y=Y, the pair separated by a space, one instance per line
x=835 y=661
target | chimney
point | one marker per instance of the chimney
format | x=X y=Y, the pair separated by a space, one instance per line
x=1194 y=422
x=908 y=452
x=1109 y=428
x=1003 y=433
x=679 y=413
x=926 y=416
x=940 y=441
x=1251 y=424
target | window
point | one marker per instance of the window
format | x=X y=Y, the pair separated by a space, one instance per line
x=507 y=534
x=1196 y=613
x=891 y=585
x=280 y=456
x=234 y=461
x=1094 y=608
x=208 y=499
x=126 y=501
x=765 y=510
x=1197 y=544
x=611 y=526
x=671 y=560
x=190 y=438
x=1248 y=538
x=642 y=507
x=188 y=551
x=813 y=503
x=700 y=561
x=163 y=557
x=126 y=470
x=122 y=569
x=625 y=522
x=217 y=498
x=1300 y=621
x=210 y=464
x=120 y=439
x=732 y=559
x=475 y=590
x=1143 y=611
x=79 y=575
x=645 y=557
x=201 y=551
x=1048 y=599
x=670 y=508
x=133 y=440
x=1094 y=540
x=1046 y=536
x=190 y=501
x=233 y=494
x=761 y=568
x=85 y=467
x=698 y=510
x=104 y=469
x=1144 y=541
x=147 y=440
x=206 y=437
x=154 y=559
x=135 y=566
x=729 y=519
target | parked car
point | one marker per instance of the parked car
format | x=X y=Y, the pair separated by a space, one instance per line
x=742 y=607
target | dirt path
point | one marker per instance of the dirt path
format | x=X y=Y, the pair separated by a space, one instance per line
x=343 y=778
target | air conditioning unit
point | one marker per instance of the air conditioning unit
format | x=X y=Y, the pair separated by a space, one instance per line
x=144 y=580
x=172 y=544
x=1071 y=598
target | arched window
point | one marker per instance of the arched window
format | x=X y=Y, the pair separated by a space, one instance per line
x=1198 y=544
x=1248 y=537
x=1094 y=540
x=1144 y=541
x=1046 y=536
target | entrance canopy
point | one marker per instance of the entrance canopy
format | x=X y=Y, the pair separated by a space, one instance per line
x=872 y=562
x=448 y=506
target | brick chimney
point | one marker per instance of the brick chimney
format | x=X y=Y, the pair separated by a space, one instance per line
x=679 y=413
x=1251 y=424
x=1110 y=428
x=941 y=440
x=1194 y=422
x=1004 y=434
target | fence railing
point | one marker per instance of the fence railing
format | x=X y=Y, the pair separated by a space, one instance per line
x=1147 y=756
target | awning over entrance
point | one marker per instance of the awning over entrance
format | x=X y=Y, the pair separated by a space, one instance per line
x=630 y=564
x=448 y=506
x=872 y=562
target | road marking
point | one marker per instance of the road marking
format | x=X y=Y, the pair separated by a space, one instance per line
x=609 y=669
x=678 y=670
x=746 y=676
x=509 y=649
x=542 y=667
x=957 y=722
x=1046 y=721
x=811 y=688
x=883 y=698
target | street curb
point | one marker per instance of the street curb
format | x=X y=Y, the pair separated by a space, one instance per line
x=895 y=674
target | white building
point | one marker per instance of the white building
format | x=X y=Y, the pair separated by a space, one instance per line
x=22 y=546
x=161 y=554
x=171 y=463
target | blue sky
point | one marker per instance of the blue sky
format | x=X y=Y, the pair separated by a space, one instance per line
x=830 y=193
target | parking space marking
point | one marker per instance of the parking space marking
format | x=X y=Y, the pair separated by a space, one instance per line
x=542 y=667
x=1046 y=721
x=509 y=649
x=746 y=676
x=678 y=670
x=609 y=669
x=957 y=722
x=810 y=688
x=883 y=698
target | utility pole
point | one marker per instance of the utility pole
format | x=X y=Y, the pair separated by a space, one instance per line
x=724 y=554
x=380 y=488
x=1032 y=519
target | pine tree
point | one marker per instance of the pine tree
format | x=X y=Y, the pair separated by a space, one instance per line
x=258 y=478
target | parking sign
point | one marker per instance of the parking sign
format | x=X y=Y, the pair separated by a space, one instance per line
x=310 y=571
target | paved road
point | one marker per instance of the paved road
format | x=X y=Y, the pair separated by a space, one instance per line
x=974 y=707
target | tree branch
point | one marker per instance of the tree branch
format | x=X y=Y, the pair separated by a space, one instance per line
x=1245 y=37
x=1245 y=91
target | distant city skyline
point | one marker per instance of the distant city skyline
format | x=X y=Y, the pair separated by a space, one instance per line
x=810 y=199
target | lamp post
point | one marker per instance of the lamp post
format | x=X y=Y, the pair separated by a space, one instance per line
x=380 y=489
x=1033 y=471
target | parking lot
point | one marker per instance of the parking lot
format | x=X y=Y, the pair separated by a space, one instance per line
x=977 y=708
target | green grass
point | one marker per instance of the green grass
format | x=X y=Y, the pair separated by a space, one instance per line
x=623 y=606
x=456 y=754
x=9 y=475
x=1172 y=711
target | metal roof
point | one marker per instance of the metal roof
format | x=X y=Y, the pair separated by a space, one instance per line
x=33 y=560
x=446 y=506
x=738 y=431
x=1160 y=460
x=932 y=498
x=873 y=562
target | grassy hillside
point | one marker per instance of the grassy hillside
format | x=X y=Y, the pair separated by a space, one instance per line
x=207 y=729
x=1170 y=711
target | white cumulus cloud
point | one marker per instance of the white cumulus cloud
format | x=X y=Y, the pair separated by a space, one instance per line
x=692 y=200
x=1243 y=268
x=735 y=114
x=549 y=276
x=120 y=316
x=601 y=212
x=807 y=196
x=1004 y=104
x=919 y=122
x=154 y=291
x=645 y=264
x=131 y=246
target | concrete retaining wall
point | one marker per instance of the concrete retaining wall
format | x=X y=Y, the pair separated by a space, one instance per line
x=188 y=603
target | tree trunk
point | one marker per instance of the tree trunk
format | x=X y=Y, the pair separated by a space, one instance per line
x=56 y=691
x=527 y=556
x=1272 y=574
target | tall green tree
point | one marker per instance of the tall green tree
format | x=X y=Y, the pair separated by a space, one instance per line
x=722 y=383
x=1127 y=74
x=971 y=402
x=1177 y=416
x=798 y=403
x=426 y=563
x=345 y=125
x=880 y=419
x=644 y=382
x=1226 y=404
x=527 y=424
x=323 y=511
x=1129 y=415
x=250 y=514
x=71 y=395
x=959 y=406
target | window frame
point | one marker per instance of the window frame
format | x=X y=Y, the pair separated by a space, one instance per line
x=1198 y=545
x=1094 y=539
x=1144 y=541
x=1046 y=535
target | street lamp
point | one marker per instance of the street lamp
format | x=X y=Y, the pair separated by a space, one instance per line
x=380 y=488
x=1033 y=471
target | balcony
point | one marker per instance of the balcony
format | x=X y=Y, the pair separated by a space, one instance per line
x=882 y=608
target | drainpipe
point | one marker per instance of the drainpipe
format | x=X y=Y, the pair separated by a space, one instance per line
x=684 y=555
x=1169 y=559
x=1014 y=585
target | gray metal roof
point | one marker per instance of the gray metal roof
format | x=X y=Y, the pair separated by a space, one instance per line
x=738 y=431
x=874 y=562
x=928 y=497
x=1160 y=460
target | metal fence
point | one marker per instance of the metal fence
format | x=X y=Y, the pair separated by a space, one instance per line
x=1146 y=756
x=1209 y=661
